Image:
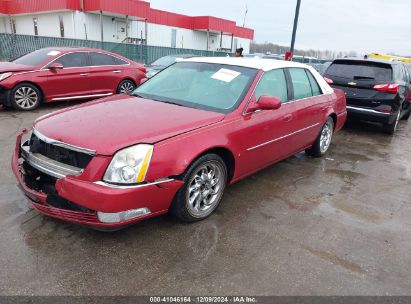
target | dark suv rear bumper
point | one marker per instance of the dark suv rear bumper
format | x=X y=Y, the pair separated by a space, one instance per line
x=366 y=114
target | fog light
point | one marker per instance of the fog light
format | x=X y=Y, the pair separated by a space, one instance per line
x=123 y=216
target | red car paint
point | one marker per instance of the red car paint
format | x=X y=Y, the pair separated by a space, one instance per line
x=67 y=84
x=179 y=135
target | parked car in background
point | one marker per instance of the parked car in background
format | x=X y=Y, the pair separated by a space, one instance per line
x=64 y=74
x=320 y=67
x=273 y=56
x=164 y=62
x=376 y=90
x=186 y=134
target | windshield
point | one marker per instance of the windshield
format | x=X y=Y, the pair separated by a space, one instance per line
x=207 y=86
x=165 y=61
x=37 y=57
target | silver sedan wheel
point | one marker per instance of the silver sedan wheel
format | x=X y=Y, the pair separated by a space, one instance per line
x=127 y=87
x=326 y=136
x=26 y=98
x=205 y=189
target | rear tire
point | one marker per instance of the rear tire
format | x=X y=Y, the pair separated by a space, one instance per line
x=25 y=97
x=392 y=127
x=204 y=185
x=126 y=87
x=407 y=116
x=323 y=141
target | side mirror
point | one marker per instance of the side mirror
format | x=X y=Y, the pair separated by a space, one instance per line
x=55 y=66
x=143 y=80
x=266 y=103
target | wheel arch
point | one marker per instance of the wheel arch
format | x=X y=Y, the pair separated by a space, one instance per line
x=224 y=153
x=43 y=97
x=334 y=117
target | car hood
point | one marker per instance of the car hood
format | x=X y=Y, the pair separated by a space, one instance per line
x=13 y=67
x=111 y=124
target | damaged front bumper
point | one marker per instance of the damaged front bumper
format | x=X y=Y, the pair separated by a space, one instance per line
x=66 y=195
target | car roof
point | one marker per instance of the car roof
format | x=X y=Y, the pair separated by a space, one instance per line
x=254 y=63
x=370 y=60
x=71 y=49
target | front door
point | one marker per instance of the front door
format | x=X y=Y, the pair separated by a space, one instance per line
x=71 y=82
x=267 y=136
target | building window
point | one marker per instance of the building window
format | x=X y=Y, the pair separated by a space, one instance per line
x=36 y=28
x=13 y=26
x=61 y=23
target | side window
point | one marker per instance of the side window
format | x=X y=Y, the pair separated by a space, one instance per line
x=73 y=60
x=315 y=88
x=99 y=59
x=120 y=62
x=301 y=83
x=273 y=83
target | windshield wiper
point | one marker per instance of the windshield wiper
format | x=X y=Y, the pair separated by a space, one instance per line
x=170 y=102
x=138 y=95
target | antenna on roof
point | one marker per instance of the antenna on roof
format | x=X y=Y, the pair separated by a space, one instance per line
x=245 y=14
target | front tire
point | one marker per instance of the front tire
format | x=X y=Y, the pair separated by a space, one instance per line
x=204 y=185
x=126 y=87
x=25 y=97
x=323 y=141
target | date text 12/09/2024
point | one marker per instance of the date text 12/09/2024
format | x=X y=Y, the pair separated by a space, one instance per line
x=236 y=299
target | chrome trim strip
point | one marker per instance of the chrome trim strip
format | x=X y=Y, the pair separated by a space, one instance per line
x=61 y=144
x=282 y=137
x=83 y=96
x=367 y=110
x=158 y=182
x=47 y=165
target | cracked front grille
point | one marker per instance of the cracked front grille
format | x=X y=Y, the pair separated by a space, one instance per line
x=59 y=154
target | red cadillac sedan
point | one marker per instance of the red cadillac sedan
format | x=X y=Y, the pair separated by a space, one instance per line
x=64 y=74
x=174 y=146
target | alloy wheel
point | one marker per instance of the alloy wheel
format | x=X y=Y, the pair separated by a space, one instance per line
x=326 y=136
x=127 y=87
x=26 y=98
x=205 y=188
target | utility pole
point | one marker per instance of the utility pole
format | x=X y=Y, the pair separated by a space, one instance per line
x=290 y=54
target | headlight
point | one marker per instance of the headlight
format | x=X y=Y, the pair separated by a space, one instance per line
x=129 y=166
x=5 y=75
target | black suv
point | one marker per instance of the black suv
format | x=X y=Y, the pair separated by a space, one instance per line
x=376 y=90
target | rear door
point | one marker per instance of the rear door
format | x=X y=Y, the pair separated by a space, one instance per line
x=357 y=79
x=106 y=73
x=310 y=107
x=71 y=82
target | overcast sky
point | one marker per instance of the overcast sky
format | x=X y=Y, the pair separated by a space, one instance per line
x=341 y=25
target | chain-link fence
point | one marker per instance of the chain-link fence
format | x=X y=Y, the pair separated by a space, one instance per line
x=13 y=46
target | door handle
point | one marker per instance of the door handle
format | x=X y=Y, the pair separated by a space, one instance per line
x=116 y=72
x=84 y=75
x=288 y=118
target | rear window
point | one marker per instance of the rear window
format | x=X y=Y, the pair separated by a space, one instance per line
x=360 y=70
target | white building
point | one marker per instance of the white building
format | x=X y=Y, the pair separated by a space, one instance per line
x=131 y=21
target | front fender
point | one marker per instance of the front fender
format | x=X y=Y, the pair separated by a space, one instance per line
x=172 y=157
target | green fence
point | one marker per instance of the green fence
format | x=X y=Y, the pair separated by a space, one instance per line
x=13 y=46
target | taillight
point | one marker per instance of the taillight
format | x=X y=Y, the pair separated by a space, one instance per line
x=328 y=80
x=384 y=111
x=387 y=88
x=143 y=69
